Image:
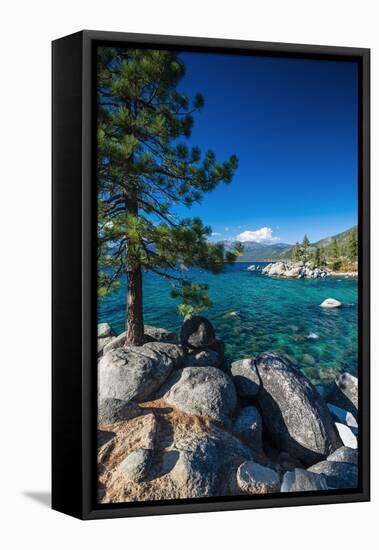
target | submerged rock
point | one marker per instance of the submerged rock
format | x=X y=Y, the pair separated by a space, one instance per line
x=245 y=377
x=256 y=479
x=293 y=412
x=330 y=303
x=197 y=332
x=248 y=427
x=339 y=475
x=203 y=391
x=303 y=480
x=133 y=374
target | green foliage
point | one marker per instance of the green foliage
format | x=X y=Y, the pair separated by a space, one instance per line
x=335 y=256
x=296 y=255
x=194 y=298
x=352 y=245
x=317 y=256
x=145 y=168
x=305 y=249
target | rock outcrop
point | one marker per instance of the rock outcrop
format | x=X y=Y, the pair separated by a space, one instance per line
x=112 y=410
x=246 y=377
x=339 y=475
x=133 y=374
x=345 y=393
x=204 y=391
x=293 y=412
x=256 y=479
x=190 y=457
x=197 y=333
x=179 y=421
x=248 y=427
x=303 y=480
x=344 y=454
x=295 y=270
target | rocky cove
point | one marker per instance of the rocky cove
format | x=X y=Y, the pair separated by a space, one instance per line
x=300 y=270
x=177 y=419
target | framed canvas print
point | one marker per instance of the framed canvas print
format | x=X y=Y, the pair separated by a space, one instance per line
x=210 y=275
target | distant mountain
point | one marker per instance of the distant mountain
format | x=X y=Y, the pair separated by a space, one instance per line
x=259 y=252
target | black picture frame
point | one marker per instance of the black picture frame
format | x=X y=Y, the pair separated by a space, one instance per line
x=74 y=276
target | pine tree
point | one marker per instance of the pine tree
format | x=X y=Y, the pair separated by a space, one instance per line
x=305 y=248
x=352 y=245
x=296 y=252
x=335 y=257
x=144 y=170
x=317 y=258
x=322 y=255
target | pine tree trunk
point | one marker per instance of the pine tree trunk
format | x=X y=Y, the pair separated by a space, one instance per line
x=134 y=322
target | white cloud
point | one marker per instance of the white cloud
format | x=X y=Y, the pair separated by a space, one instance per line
x=215 y=234
x=262 y=235
x=226 y=228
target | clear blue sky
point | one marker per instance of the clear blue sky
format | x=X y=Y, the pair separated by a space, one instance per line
x=293 y=125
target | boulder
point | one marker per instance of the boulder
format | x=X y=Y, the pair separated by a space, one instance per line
x=112 y=410
x=152 y=334
x=248 y=427
x=202 y=358
x=293 y=412
x=345 y=393
x=344 y=454
x=172 y=351
x=339 y=475
x=219 y=347
x=117 y=342
x=256 y=479
x=102 y=343
x=303 y=480
x=197 y=332
x=104 y=330
x=330 y=303
x=192 y=457
x=295 y=270
x=345 y=417
x=136 y=465
x=203 y=391
x=155 y=334
x=245 y=377
x=347 y=436
x=133 y=374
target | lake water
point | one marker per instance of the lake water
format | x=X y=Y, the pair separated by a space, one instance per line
x=253 y=313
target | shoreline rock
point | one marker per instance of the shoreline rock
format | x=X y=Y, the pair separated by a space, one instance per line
x=295 y=270
x=293 y=412
x=180 y=421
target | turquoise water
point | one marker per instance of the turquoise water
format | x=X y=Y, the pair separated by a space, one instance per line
x=270 y=315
